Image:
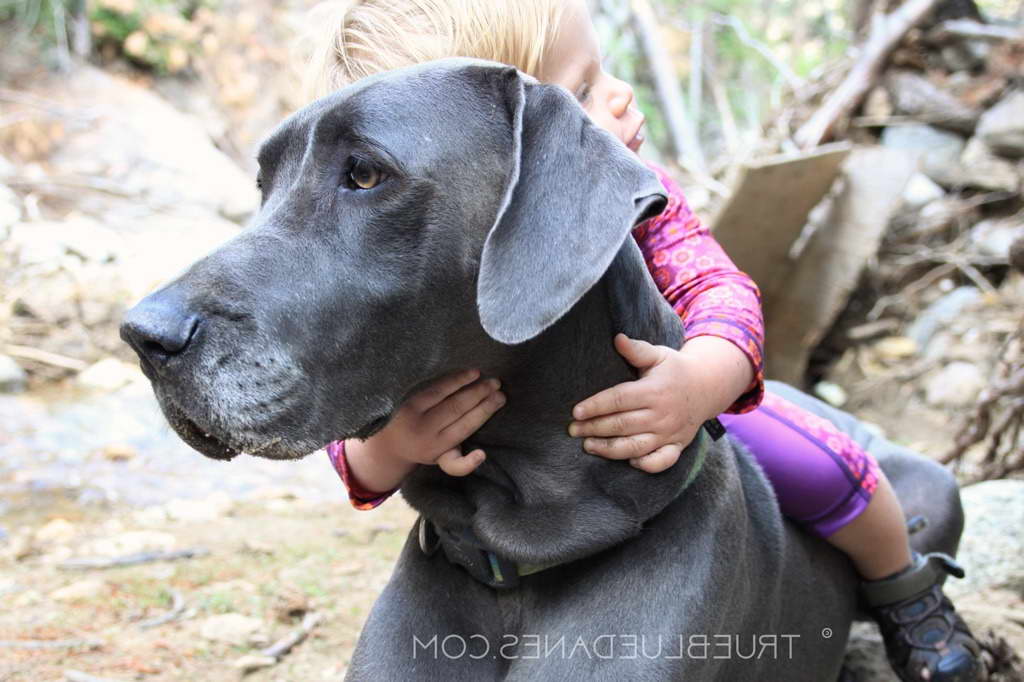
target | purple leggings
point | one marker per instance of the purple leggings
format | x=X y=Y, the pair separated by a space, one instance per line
x=822 y=478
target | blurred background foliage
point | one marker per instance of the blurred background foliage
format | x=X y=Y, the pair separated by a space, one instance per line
x=160 y=35
x=738 y=63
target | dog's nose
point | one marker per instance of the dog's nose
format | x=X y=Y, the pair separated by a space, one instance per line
x=159 y=327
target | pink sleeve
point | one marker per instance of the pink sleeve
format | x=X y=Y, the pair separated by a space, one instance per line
x=702 y=284
x=360 y=497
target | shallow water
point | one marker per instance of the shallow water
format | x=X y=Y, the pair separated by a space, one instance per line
x=52 y=446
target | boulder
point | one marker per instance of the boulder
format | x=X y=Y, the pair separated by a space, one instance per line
x=992 y=547
x=981 y=169
x=1002 y=126
x=955 y=385
x=13 y=378
x=937 y=152
x=994 y=237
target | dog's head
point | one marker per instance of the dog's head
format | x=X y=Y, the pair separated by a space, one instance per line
x=416 y=222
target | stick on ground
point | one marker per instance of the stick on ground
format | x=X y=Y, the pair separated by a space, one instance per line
x=90 y=563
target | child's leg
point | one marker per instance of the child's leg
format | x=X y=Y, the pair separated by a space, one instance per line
x=827 y=483
x=830 y=485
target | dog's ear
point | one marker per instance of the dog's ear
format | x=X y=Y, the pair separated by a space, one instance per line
x=573 y=196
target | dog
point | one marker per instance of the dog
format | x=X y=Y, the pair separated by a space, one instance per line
x=460 y=214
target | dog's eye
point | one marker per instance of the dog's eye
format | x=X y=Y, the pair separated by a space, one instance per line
x=362 y=175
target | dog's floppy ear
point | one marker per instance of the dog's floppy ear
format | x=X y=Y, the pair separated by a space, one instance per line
x=573 y=196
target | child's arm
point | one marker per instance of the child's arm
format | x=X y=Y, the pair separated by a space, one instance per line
x=718 y=369
x=427 y=429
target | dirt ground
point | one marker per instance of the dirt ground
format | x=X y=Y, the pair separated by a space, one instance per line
x=273 y=560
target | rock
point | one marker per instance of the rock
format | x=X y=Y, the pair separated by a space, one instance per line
x=995 y=236
x=877 y=104
x=88 y=588
x=941 y=313
x=230 y=628
x=896 y=347
x=119 y=452
x=42 y=242
x=290 y=604
x=13 y=378
x=1002 y=126
x=921 y=190
x=10 y=210
x=56 y=531
x=831 y=393
x=146 y=148
x=21 y=545
x=108 y=374
x=936 y=151
x=26 y=599
x=937 y=217
x=915 y=96
x=992 y=547
x=982 y=169
x=965 y=56
x=254 y=662
x=213 y=508
x=955 y=385
x=131 y=542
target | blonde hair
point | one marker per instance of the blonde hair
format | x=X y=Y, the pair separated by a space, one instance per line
x=356 y=38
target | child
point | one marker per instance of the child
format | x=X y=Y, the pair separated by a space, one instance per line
x=822 y=479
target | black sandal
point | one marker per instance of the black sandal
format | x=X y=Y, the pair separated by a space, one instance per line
x=925 y=638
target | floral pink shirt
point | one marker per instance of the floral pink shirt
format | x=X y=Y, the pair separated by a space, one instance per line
x=692 y=272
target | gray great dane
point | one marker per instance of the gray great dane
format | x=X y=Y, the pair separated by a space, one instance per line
x=459 y=214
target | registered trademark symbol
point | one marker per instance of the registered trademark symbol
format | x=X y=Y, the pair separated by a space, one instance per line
x=826 y=633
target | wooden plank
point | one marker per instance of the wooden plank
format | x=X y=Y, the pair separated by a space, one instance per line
x=816 y=290
x=769 y=207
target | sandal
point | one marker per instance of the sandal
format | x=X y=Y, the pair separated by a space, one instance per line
x=925 y=638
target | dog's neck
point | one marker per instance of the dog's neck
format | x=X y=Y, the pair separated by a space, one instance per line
x=539 y=497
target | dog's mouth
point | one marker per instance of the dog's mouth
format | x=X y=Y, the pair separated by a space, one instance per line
x=372 y=427
x=195 y=436
x=218 y=446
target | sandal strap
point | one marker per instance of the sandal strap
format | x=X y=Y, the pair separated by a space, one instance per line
x=925 y=571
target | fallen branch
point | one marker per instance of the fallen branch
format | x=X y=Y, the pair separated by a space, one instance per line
x=48 y=644
x=45 y=357
x=273 y=654
x=177 y=608
x=887 y=30
x=89 y=563
x=281 y=647
x=973 y=30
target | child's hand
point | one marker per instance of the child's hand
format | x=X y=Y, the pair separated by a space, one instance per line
x=649 y=421
x=428 y=429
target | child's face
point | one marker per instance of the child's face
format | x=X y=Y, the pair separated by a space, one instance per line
x=573 y=61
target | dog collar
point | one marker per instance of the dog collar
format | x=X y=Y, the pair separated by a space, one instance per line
x=462 y=548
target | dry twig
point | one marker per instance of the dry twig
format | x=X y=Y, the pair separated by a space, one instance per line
x=177 y=608
x=886 y=32
x=281 y=647
x=998 y=416
x=89 y=563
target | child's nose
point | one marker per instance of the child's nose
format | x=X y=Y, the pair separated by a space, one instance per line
x=620 y=97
